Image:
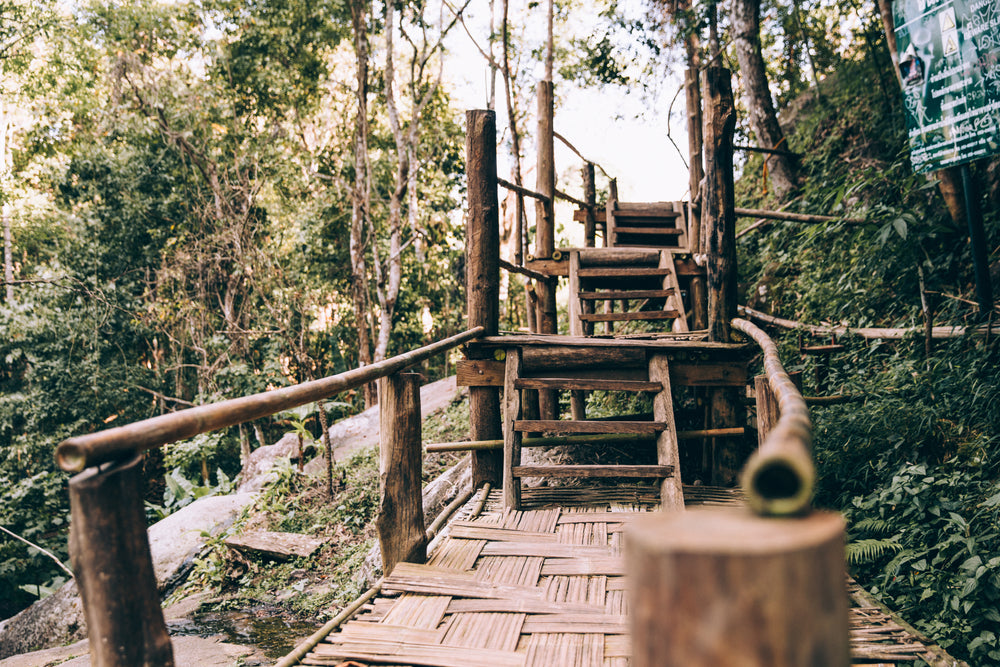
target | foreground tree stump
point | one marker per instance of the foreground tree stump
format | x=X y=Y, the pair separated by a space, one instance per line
x=723 y=588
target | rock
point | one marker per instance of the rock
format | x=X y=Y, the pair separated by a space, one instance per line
x=205 y=652
x=276 y=546
x=259 y=469
x=174 y=542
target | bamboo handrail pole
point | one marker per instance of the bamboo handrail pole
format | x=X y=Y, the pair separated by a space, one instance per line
x=871 y=333
x=513 y=268
x=571 y=199
x=521 y=190
x=778 y=479
x=315 y=638
x=788 y=216
x=452 y=507
x=475 y=445
x=79 y=452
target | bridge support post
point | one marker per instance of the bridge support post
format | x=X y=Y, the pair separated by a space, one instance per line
x=725 y=588
x=482 y=268
x=545 y=240
x=401 y=532
x=114 y=569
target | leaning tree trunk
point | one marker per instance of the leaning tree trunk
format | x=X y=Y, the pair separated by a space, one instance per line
x=745 y=18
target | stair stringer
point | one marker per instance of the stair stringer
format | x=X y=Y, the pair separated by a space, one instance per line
x=667 y=452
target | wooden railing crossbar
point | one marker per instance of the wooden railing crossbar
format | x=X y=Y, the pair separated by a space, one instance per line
x=76 y=453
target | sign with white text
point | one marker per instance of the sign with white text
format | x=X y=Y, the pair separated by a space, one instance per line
x=949 y=62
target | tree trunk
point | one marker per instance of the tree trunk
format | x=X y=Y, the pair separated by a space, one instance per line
x=745 y=19
x=361 y=194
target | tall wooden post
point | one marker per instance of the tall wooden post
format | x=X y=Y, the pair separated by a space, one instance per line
x=718 y=217
x=114 y=569
x=699 y=295
x=545 y=229
x=482 y=267
x=590 y=197
x=401 y=532
x=718 y=221
x=713 y=588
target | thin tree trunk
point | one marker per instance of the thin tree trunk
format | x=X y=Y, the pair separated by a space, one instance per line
x=361 y=194
x=745 y=19
x=8 y=254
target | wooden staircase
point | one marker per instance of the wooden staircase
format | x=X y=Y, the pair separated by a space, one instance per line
x=645 y=224
x=642 y=280
x=573 y=375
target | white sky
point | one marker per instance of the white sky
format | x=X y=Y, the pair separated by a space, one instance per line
x=613 y=129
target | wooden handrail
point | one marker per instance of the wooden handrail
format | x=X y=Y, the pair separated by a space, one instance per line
x=522 y=190
x=514 y=268
x=778 y=479
x=79 y=452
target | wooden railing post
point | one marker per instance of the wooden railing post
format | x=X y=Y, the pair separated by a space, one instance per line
x=545 y=240
x=401 y=532
x=718 y=218
x=589 y=196
x=482 y=267
x=114 y=570
x=711 y=588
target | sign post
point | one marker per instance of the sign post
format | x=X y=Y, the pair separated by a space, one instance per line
x=949 y=62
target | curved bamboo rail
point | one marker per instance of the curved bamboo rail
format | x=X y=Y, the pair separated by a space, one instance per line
x=76 y=453
x=778 y=479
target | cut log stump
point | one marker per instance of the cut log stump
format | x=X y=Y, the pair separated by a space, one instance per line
x=727 y=588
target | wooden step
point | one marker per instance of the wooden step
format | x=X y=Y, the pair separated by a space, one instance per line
x=631 y=471
x=624 y=210
x=624 y=272
x=628 y=294
x=646 y=316
x=587 y=384
x=582 y=426
x=649 y=231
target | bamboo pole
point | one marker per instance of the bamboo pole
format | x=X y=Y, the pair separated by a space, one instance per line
x=79 y=452
x=871 y=333
x=779 y=478
x=482 y=251
x=788 y=216
x=522 y=190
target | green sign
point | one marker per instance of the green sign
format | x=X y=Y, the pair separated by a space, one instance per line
x=949 y=61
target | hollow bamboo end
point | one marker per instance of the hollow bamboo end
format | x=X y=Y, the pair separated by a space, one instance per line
x=70 y=457
x=779 y=483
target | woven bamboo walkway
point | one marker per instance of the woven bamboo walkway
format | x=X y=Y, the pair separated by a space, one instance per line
x=542 y=587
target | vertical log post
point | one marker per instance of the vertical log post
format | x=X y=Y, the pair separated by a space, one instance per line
x=114 y=569
x=768 y=411
x=699 y=295
x=713 y=588
x=589 y=196
x=718 y=220
x=718 y=217
x=402 y=535
x=482 y=266
x=548 y=404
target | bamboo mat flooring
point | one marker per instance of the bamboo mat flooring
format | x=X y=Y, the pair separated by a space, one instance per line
x=544 y=586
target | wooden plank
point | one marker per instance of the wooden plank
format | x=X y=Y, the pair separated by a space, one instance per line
x=659 y=209
x=623 y=230
x=412 y=578
x=587 y=384
x=645 y=316
x=671 y=493
x=623 y=272
x=470 y=530
x=608 y=624
x=709 y=374
x=591 y=257
x=628 y=294
x=545 y=550
x=597 y=517
x=584 y=567
x=278 y=546
x=617 y=646
x=581 y=216
x=634 y=471
x=409 y=653
x=362 y=630
x=550 y=267
x=471 y=606
x=479 y=373
x=567 y=426
x=511 y=436
x=686 y=342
